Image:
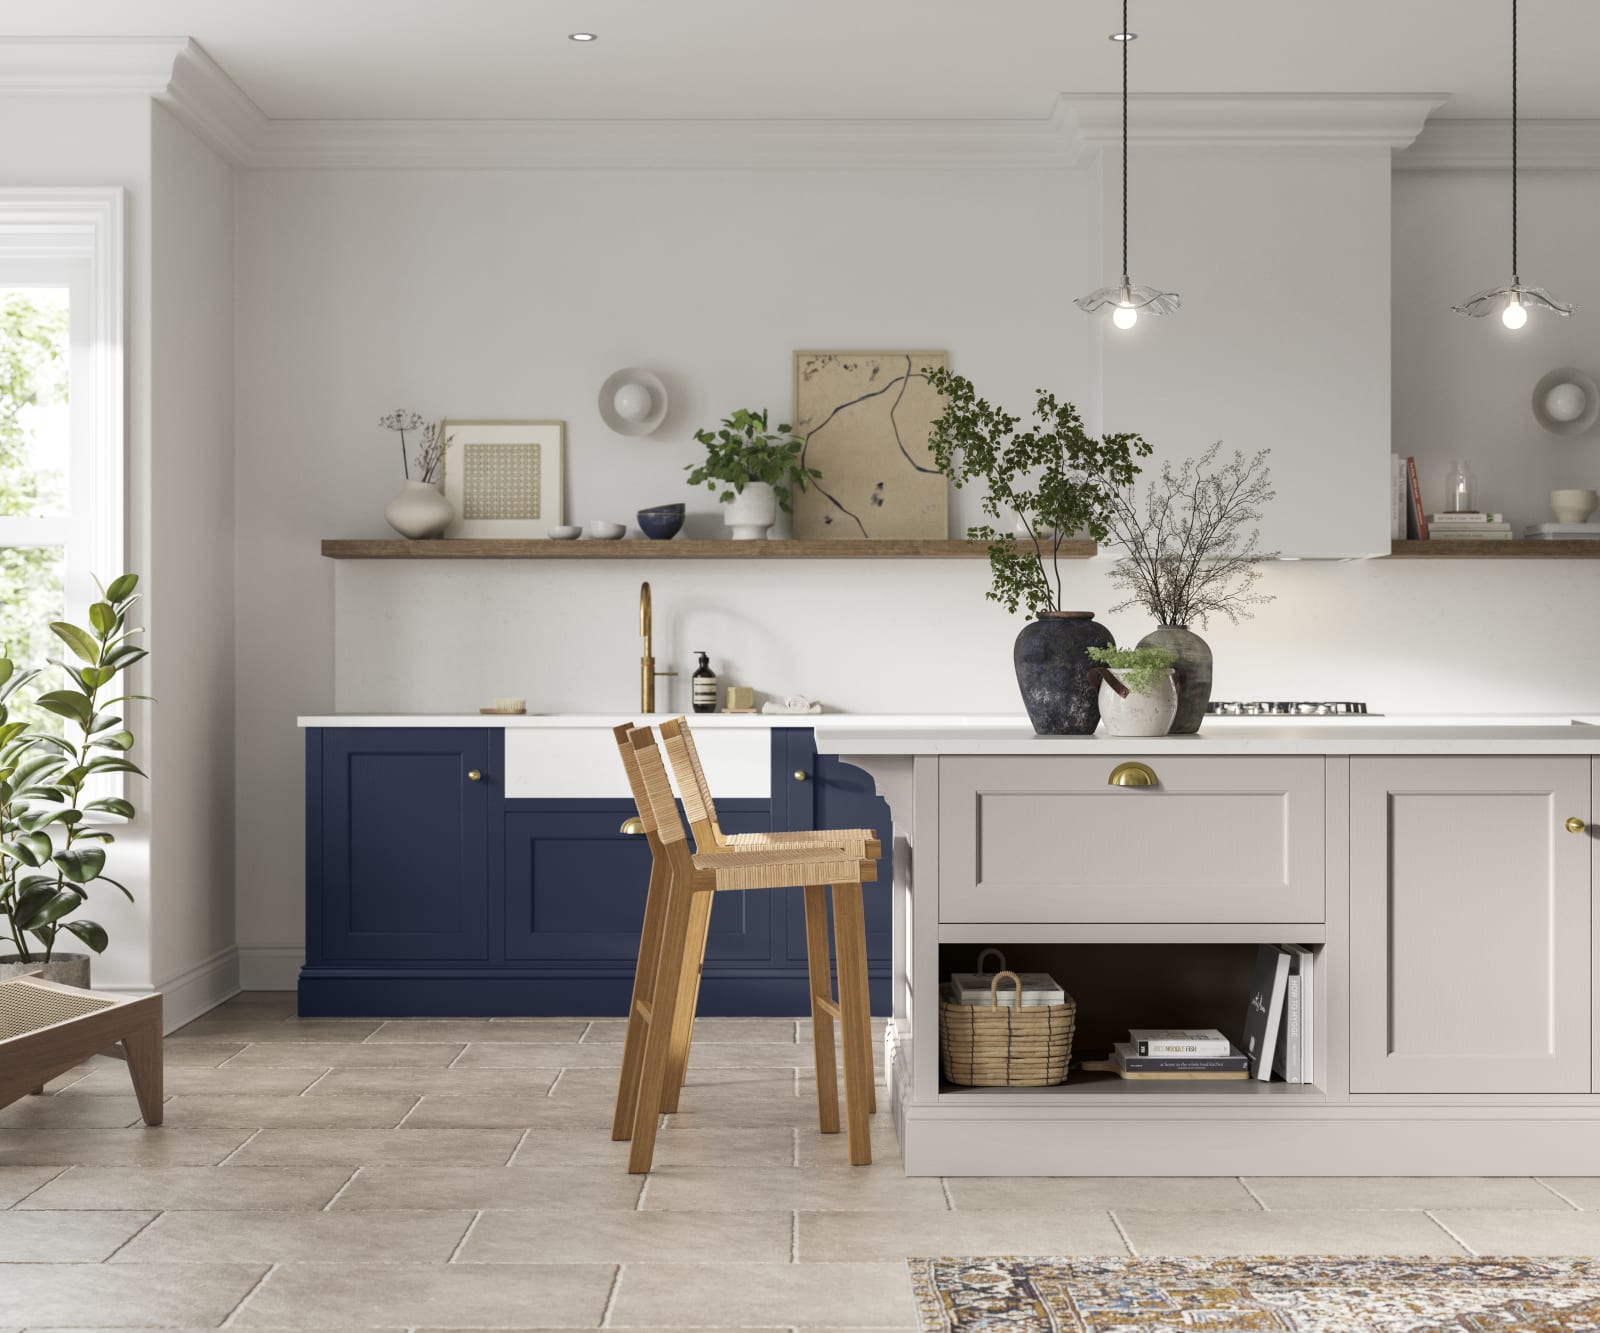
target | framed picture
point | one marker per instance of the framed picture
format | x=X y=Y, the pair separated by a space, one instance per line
x=866 y=417
x=504 y=477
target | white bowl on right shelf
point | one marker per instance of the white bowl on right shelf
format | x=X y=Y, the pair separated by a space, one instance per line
x=1573 y=506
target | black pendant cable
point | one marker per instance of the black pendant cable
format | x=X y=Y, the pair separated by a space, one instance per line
x=1125 y=300
x=1515 y=301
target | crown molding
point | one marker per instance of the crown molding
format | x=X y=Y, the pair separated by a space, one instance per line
x=86 y=66
x=1256 y=120
x=199 y=92
x=1485 y=145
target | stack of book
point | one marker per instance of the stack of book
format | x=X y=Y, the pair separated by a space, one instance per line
x=1556 y=532
x=1157 y=1053
x=1278 y=1020
x=974 y=988
x=1468 y=528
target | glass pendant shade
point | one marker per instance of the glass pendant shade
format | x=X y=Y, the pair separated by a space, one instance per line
x=1514 y=302
x=1127 y=300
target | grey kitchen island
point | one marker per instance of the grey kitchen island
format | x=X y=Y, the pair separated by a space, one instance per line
x=1441 y=871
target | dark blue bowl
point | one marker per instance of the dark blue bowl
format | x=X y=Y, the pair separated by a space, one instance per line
x=661 y=523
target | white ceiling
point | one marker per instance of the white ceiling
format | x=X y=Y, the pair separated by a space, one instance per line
x=842 y=59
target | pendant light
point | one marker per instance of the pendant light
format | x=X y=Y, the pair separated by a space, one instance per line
x=1126 y=300
x=1515 y=301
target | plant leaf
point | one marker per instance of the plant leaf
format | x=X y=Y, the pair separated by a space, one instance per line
x=57 y=907
x=116 y=884
x=107 y=763
x=111 y=805
x=80 y=864
x=124 y=656
x=66 y=703
x=103 y=618
x=91 y=933
x=117 y=740
x=122 y=587
x=76 y=639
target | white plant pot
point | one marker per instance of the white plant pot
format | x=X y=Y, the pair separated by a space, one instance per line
x=419 y=511
x=752 y=511
x=66 y=969
x=1139 y=714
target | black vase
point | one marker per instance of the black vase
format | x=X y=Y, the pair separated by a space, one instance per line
x=1053 y=665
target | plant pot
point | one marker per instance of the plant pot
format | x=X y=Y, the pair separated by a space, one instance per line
x=1052 y=662
x=1194 y=664
x=1126 y=712
x=66 y=969
x=419 y=511
x=751 y=512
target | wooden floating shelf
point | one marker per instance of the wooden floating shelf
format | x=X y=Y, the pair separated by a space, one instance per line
x=501 y=548
x=1482 y=550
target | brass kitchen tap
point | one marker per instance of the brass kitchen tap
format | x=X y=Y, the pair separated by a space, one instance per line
x=647 y=663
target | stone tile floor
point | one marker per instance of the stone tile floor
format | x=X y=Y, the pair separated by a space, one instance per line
x=320 y=1174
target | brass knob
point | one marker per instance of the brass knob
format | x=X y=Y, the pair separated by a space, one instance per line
x=799 y=775
x=632 y=826
x=1575 y=825
x=474 y=776
x=1132 y=775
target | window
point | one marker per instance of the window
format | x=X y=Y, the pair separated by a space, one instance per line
x=61 y=410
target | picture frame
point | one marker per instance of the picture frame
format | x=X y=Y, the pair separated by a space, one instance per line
x=504 y=478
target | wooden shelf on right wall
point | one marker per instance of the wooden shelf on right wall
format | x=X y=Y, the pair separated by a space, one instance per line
x=1481 y=550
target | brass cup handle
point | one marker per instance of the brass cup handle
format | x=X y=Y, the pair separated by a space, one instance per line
x=474 y=776
x=1576 y=825
x=1132 y=774
x=632 y=826
x=800 y=775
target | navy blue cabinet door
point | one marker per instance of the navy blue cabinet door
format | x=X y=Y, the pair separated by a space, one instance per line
x=834 y=795
x=575 y=886
x=397 y=844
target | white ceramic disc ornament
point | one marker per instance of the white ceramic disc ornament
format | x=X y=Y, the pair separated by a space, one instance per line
x=633 y=401
x=1566 y=402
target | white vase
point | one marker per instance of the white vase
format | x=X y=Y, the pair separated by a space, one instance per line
x=752 y=511
x=419 y=511
x=1139 y=714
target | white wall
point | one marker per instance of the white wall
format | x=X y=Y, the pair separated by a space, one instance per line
x=70 y=141
x=515 y=294
x=190 y=611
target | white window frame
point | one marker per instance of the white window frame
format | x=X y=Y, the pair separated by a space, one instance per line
x=73 y=237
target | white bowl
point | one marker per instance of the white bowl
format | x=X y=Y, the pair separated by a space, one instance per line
x=1573 y=506
x=606 y=532
x=565 y=534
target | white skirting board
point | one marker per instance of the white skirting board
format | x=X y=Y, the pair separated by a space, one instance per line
x=194 y=992
x=1333 y=1139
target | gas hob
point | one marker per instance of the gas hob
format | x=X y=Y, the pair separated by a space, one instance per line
x=1271 y=708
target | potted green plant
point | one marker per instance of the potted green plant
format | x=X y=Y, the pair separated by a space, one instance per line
x=1192 y=552
x=1056 y=480
x=757 y=468
x=1138 y=689
x=53 y=838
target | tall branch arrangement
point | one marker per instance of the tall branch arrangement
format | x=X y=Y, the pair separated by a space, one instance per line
x=1058 y=479
x=1189 y=556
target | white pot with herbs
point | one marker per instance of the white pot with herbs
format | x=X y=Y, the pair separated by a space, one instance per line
x=419 y=511
x=1138 y=689
x=756 y=468
x=1191 y=553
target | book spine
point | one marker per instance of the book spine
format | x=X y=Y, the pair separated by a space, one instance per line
x=1419 y=518
x=1292 y=1043
x=1184 y=1050
x=1229 y=1065
x=1397 y=513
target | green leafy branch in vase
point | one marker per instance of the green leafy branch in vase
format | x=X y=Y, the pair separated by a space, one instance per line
x=745 y=450
x=51 y=850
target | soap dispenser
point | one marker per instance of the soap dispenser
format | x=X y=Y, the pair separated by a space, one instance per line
x=704 y=685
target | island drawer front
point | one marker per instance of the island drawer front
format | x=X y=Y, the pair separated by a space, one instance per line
x=1047 y=839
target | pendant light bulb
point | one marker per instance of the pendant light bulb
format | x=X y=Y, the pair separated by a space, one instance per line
x=1515 y=315
x=1124 y=316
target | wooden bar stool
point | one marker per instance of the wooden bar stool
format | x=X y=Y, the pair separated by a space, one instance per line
x=695 y=792
x=690 y=880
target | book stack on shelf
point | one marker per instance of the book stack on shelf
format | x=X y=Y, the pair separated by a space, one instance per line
x=1476 y=527
x=1562 y=532
x=1037 y=988
x=1178 y=1053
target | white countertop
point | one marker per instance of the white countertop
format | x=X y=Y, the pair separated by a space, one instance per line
x=758 y=721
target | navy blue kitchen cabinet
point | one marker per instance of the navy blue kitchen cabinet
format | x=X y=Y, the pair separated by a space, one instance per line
x=428 y=893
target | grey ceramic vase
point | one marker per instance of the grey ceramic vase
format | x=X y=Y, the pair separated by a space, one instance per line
x=66 y=969
x=1194 y=657
x=1053 y=667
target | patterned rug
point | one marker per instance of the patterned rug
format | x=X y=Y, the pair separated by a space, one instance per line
x=1305 y=1295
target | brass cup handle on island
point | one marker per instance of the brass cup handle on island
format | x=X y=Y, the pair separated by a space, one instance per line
x=632 y=826
x=1133 y=774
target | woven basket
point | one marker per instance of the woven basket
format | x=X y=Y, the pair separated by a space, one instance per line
x=995 y=1046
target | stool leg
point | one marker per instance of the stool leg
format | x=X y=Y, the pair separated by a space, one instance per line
x=820 y=975
x=644 y=979
x=688 y=1001
x=143 y=1046
x=855 y=1016
x=663 y=1002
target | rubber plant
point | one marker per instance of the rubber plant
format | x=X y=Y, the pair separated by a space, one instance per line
x=52 y=844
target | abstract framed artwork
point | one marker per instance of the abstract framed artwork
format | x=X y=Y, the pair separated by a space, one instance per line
x=866 y=417
x=503 y=478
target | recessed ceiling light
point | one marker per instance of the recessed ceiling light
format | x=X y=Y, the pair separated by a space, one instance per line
x=583 y=37
x=1124 y=36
